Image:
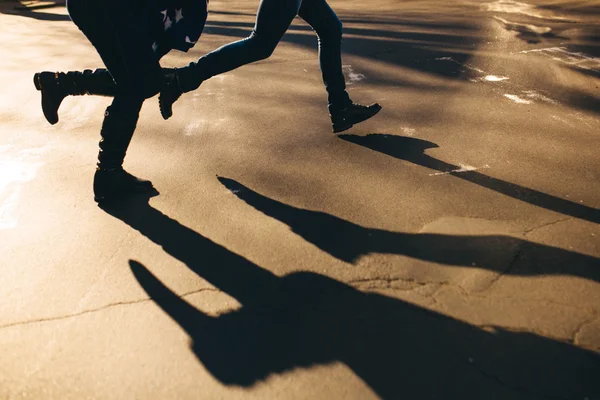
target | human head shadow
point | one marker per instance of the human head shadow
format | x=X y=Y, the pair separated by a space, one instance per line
x=305 y=319
x=413 y=150
x=348 y=242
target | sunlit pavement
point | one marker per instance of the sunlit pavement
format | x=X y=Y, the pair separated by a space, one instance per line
x=447 y=249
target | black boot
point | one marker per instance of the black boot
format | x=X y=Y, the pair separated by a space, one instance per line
x=111 y=181
x=345 y=118
x=113 y=184
x=55 y=86
x=170 y=92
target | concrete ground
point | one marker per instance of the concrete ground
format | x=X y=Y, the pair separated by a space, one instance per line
x=447 y=249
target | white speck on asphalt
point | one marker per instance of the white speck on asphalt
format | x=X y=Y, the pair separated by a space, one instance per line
x=353 y=77
x=517 y=99
x=463 y=168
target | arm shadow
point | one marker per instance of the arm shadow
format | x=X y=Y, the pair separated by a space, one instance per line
x=303 y=319
x=401 y=351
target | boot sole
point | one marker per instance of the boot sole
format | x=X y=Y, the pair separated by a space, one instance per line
x=120 y=196
x=109 y=198
x=342 y=128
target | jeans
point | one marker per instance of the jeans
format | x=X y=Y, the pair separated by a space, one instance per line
x=119 y=32
x=272 y=20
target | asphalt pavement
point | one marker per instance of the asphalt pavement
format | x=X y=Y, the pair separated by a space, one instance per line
x=449 y=248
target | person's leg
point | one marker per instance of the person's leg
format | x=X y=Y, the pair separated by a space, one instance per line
x=344 y=114
x=126 y=50
x=111 y=181
x=55 y=86
x=328 y=27
x=273 y=18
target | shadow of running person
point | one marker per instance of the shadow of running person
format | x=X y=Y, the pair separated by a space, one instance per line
x=413 y=150
x=348 y=242
x=304 y=319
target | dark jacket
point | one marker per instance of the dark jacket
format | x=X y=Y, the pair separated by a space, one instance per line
x=177 y=24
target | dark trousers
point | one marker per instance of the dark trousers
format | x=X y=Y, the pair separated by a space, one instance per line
x=122 y=38
x=272 y=21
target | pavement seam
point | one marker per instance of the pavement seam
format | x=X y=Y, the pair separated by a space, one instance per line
x=94 y=310
x=500 y=275
x=522 y=390
x=583 y=325
x=389 y=281
x=528 y=231
x=464 y=292
x=476 y=294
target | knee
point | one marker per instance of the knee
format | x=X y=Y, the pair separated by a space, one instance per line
x=333 y=31
x=151 y=85
x=143 y=86
x=151 y=90
x=262 y=48
x=337 y=29
x=264 y=52
x=127 y=106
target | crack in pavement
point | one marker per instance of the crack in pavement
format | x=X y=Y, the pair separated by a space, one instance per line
x=583 y=325
x=519 y=389
x=476 y=295
x=519 y=252
x=104 y=271
x=389 y=281
x=439 y=304
x=500 y=275
x=530 y=230
x=94 y=310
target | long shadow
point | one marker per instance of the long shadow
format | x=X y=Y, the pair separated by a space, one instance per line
x=348 y=241
x=592 y=73
x=413 y=150
x=438 y=47
x=30 y=11
x=304 y=319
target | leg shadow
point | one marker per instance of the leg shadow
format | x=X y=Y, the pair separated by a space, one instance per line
x=348 y=242
x=304 y=319
x=413 y=150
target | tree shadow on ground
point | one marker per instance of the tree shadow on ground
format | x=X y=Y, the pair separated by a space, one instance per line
x=591 y=73
x=531 y=35
x=413 y=150
x=440 y=45
x=32 y=11
x=420 y=49
x=305 y=319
